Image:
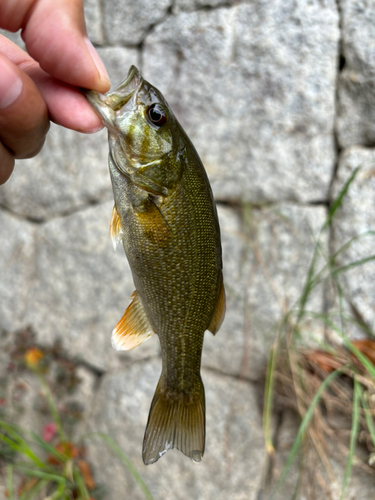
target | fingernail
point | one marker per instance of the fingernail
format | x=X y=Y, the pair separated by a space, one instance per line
x=10 y=85
x=98 y=62
x=95 y=129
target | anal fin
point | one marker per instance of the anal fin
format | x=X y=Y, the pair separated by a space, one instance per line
x=115 y=228
x=133 y=328
x=219 y=312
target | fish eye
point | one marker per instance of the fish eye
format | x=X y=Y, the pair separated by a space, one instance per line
x=156 y=115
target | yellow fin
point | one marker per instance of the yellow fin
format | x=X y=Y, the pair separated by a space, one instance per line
x=133 y=328
x=153 y=223
x=115 y=228
x=219 y=312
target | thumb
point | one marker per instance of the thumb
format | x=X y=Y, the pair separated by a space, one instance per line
x=55 y=36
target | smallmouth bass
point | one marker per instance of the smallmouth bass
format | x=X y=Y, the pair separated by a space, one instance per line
x=166 y=218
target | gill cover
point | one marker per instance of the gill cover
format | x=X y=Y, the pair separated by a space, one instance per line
x=141 y=127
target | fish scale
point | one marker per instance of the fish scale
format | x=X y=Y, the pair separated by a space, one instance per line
x=166 y=217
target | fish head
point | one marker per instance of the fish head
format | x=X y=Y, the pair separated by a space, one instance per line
x=142 y=128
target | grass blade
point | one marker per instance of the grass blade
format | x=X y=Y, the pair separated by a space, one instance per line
x=311 y=279
x=52 y=406
x=33 y=492
x=304 y=425
x=125 y=460
x=50 y=449
x=10 y=481
x=42 y=475
x=368 y=417
x=58 y=494
x=356 y=263
x=268 y=397
x=351 y=241
x=308 y=286
x=22 y=448
x=361 y=357
x=353 y=435
x=337 y=202
x=84 y=494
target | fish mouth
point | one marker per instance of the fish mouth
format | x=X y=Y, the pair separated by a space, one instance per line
x=123 y=93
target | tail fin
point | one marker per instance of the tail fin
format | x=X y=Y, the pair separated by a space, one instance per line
x=175 y=421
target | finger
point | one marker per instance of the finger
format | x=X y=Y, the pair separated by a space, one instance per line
x=24 y=120
x=66 y=105
x=55 y=35
x=6 y=163
x=69 y=107
x=13 y=14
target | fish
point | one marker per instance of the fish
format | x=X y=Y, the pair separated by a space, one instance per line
x=165 y=216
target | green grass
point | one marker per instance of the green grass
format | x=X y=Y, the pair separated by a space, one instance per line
x=124 y=459
x=304 y=426
x=353 y=435
x=288 y=351
x=43 y=470
x=31 y=461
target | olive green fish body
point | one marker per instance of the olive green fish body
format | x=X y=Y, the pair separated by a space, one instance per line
x=166 y=217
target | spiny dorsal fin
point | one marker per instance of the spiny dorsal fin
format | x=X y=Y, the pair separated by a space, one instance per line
x=115 y=228
x=133 y=328
x=219 y=312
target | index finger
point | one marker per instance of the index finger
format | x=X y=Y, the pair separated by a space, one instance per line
x=55 y=35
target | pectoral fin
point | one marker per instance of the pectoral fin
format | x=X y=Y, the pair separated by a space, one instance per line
x=115 y=229
x=133 y=328
x=219 y=312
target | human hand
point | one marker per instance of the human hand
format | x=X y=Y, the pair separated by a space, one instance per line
x=42 y=85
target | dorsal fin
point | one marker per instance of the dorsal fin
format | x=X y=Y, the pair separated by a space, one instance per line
x=219 y=312
x=133 y=328
x=115 y=228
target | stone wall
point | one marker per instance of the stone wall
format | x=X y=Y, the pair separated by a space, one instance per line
x=279 y=99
